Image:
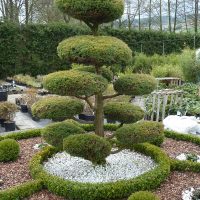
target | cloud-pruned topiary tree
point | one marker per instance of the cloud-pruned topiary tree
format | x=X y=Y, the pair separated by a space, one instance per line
x=97 y=52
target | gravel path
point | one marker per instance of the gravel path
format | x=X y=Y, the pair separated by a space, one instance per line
x=174 y=148
x=15 y=173
x=176 y=183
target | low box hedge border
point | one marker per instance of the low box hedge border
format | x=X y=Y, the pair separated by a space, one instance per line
x=177 y=165
x=21 y=191
x=103 y=191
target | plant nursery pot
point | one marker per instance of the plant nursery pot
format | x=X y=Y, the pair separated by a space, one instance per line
x=86 y=117
x=24 y=108
x=111 y=121
x=2 y=122
x=3 y=95
x=9 y=126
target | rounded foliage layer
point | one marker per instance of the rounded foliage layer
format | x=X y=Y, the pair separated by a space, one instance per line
x=88 y=146
x=143 y=195
x=123 y=112
x=144 y=131
x=106 y=72
x=95 y=50
x=9 y=150
x=92 y=11
x=135 y=84
x=54 y=134
x=57 y=108
x=75 y=83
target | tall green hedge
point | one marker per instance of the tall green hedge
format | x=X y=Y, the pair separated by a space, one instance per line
x=33 y=49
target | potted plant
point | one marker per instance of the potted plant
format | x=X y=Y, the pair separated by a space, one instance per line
x=3 y=95
x=7 y=112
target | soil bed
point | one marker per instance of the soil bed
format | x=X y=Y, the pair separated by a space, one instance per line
x=174 y=148
x=176 y=183
x=16 y=173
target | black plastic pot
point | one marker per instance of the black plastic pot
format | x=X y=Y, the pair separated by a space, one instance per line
x=86 y=117
x=111 y=121
x=24 y=108
x=3 y=95
x=9 y=126
x=2 y=122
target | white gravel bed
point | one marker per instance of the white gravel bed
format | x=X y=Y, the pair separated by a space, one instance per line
x=120 y=166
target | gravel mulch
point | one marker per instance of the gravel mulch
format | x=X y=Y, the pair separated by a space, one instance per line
x=176 y=183
x=16 y=173
x=174 y=148
x=45 y=195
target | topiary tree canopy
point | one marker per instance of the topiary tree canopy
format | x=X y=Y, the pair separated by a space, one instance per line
x=144 y=131
x=95 y=50
x=75 y=83
x=92 y=12
x=88 y=146
x=143 y=195
x=135 y=84
x=106 y=72
x=55 y=133
x=123 y=112
x=98 y=52
x=57 y=108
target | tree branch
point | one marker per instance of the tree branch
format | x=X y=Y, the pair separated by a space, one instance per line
x=86 y=99
x=111 y=96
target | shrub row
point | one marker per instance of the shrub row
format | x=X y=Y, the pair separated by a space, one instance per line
x=22 y=191
x=32 y=49
x=103 y=191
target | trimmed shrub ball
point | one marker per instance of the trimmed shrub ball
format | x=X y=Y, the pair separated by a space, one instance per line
x=95 y=50
x=135 y=84
x=92 y=11
x=54 y=134
x=9 y=150
x=143 y=195
x=88 y=146
x=144 y=131
x=106 y=72
x=123 y=112
x=57 y=108
x=75 y=83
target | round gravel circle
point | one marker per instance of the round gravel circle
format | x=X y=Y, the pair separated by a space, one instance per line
x=124 y=165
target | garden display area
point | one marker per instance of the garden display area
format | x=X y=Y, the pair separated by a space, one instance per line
x=99 y=143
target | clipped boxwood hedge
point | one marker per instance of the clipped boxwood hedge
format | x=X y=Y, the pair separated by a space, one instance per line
x=143 y=195
x=21 y=191
x=103 y=191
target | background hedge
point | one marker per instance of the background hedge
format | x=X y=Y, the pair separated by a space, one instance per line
x=32 y=49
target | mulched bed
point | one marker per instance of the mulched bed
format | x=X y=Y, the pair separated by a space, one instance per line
x=16 y=173
x=44 y=195
x=174 y=148
x=176 y=183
